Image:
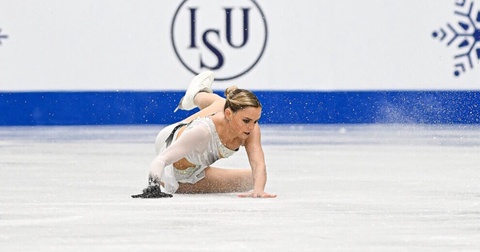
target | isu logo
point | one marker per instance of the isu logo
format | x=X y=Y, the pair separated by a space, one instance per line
x=228 y=37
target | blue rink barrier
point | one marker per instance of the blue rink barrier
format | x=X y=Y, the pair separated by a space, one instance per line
x=279 y=107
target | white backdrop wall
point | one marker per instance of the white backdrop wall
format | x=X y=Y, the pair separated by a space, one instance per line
x=316 y=45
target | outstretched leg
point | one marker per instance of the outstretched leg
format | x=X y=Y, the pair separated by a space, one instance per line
x=208 y=103
x=204 y=99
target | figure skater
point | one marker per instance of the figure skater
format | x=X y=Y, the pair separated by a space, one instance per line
x=187 y=149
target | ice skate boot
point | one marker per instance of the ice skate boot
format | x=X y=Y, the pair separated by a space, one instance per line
x=200 y=83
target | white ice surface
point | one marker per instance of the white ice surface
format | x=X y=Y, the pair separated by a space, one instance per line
x=340 y=188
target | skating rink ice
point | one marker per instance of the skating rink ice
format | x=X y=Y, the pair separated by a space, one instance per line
x=340 y=188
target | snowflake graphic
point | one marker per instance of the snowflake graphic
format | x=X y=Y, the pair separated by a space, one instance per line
x=464 y=35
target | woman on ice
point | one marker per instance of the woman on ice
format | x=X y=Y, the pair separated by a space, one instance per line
x=187 y=149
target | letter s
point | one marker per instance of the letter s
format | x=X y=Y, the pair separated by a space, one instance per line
x=213 y=49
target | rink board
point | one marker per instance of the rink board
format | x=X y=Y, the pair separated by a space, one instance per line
x=279 y=107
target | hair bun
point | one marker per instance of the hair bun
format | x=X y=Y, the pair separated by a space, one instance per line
x=229 y=92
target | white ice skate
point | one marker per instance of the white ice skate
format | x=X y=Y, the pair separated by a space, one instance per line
x=200 y=83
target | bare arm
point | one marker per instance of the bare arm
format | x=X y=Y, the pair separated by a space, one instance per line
x=256 y=157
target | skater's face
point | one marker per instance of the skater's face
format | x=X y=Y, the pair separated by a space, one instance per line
x=244 y=120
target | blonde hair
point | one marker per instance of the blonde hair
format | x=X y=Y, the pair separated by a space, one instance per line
x=237 y=99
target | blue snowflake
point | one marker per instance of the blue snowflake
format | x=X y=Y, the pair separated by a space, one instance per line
x=464 y=35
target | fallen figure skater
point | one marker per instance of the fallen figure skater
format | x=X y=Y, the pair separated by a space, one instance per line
x=187 y=149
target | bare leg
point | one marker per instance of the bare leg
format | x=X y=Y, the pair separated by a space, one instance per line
x=203 y=99
x=208 y=104
x=219 y=180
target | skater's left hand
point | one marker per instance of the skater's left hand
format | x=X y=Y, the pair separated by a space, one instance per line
x=253 y=194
